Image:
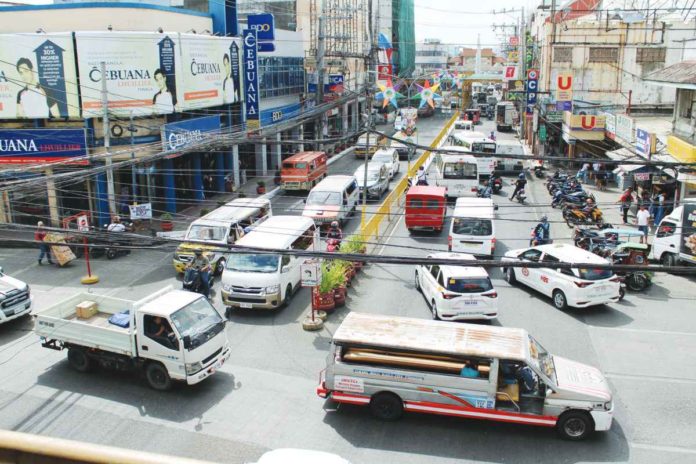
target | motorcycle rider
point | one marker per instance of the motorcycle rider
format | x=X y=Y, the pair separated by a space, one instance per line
x=335 y=233
x=202 y=265
x=421 y=176
x=116 y=225
x=589 y=209
x=485 y=191
x=520 y=183
x=542 y=232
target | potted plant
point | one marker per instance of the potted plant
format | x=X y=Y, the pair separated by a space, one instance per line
x=166 y=222
x=260 y=187
x=341 y=280
x=323 y=294
x=354 y=245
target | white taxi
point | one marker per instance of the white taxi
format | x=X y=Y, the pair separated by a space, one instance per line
x=578 y=288
x=457 y=293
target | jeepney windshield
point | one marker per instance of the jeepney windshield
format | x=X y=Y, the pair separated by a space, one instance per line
x=542 y=359
x=198 y=320
x=206 y=233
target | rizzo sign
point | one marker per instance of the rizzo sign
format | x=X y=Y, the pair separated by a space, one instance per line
x=251 y=79
x=178 y=135
x=19 y=146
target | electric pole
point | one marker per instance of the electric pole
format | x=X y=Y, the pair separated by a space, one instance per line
x=107 y=142
x=321 y=65
x=369 y=86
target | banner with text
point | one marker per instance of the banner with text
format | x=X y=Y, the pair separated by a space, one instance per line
x=38 y=77
x=20 y=146
x=251 y=80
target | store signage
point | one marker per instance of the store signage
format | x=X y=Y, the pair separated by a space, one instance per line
x=564 y=88
x=624 y=127
x=280 y=113
x=554 y=116
x=263 y=24
x=311 y=273
x=183 y=134
x=645 y=142
x=610 y=128
x=641 y=176
x=516 y=86
x=384 y=72
x=334 y=84
x=542 y=133
x=510 y=73
x=21 y=146
x=143 y=211
x=251 y=80
x=532 y=88
x=514 y=41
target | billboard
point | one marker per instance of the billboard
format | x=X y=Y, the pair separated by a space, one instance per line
x=688 y=245
x=181 y=134
x=141 y=72
x=20 y=146
x=210 y=74
x=38 y=77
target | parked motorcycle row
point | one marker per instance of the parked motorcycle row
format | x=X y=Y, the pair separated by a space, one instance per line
x=577 y=206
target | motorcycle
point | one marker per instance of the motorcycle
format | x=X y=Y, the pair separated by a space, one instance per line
x=575 y=199
x=539 y=171
x=576 y=216
x=566 y=188
x=496 y=184
x=333 y=245
x=115 y=243
x=192 y=281
x=521 y=197
x=536 y=240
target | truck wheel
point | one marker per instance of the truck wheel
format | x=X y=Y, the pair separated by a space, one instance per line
x=79 y=360
x=668 y=259
x=386 y=406
x=417 y=282
x=575 y=425
x=158 y=377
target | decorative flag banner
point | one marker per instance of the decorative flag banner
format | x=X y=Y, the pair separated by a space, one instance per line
x=427 y=94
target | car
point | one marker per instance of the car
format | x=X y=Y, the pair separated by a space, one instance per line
x=377 y=179
x=578 y=288
x=457 y=293
x=15 y=298
x=390 y=158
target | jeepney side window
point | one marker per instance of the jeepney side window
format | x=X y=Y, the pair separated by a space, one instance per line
x=415 y=203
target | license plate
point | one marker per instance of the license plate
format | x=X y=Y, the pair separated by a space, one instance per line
x=10 y=313
x=246 y=305
x=471 y=243
x=468 y=313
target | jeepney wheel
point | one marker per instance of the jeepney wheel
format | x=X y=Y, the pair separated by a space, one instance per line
x=637 y=282
x=417 y=283
x=220 y=266
x=559 y=300
x=158 y=377
x=79 y=360
x=575 y=425
x=387 y=406
x=433 y=309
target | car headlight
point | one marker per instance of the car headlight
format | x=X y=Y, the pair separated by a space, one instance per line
x=226 y=287
x=272 y=289
x=192 y=368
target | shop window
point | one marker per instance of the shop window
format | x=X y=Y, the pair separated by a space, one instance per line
x=651 y=55
x=604 y=54
x=686 y=103
x=562 y=54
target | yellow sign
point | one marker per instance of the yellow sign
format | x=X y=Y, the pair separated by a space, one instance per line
x=681 y=150
x=253 y=124
x=514 y=57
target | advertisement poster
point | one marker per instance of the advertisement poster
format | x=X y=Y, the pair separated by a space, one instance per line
x=210 y=72
x=20 y=146
x=688 y=246
x=38 y=77
x=141 y=72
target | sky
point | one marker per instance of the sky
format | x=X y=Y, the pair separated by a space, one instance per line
x=458 y=22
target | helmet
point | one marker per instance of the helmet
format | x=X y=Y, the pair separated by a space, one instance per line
x=198 y=252
x=521 y=176
x=544 y=218
x=334 y=224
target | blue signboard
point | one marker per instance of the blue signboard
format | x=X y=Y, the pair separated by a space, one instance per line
x=280 y=113
x=644 y=142
x=251 y=79
x=264 y=26
x=182 y=134
x=335 y=85
x=19 y=146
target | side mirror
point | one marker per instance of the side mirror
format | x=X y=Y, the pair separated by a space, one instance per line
x=187 y=342
x=345 y=202
x=304 y=200
x=285 y=269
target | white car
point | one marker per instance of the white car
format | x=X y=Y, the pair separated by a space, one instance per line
x=578 y=288
x=390 y=158
x=457 y=293
x=15 y=298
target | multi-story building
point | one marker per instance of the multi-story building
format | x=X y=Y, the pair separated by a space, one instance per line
x=431 y=55
x=465 y=61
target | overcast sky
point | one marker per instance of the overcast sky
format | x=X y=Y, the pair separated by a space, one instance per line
x=458 y=22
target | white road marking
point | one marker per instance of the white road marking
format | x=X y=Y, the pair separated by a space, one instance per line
x=647 y=331
x=651 y=377
x=670 y=449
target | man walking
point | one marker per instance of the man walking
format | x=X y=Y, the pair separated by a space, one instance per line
x=659 y=203
x=44 y=250
x=643 y=221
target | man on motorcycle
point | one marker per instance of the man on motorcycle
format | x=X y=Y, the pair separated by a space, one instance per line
x=520 y=183
x=485 y=191
x=542 y=232
x=335 y=233
x=201 y=264
x=590 y=209
x=116 y=225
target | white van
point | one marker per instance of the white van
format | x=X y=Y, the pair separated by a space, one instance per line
x=15 y=298
x=509 y=147
x=333 y=199
x=477 y=142
x=458 y=173
x=578 y=288
x=220 y=228
x=252 y=280
x=473 y=227
x=398 y=364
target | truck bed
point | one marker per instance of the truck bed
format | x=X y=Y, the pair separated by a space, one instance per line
x=59 y=322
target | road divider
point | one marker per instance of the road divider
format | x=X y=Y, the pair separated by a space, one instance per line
x=375 y=228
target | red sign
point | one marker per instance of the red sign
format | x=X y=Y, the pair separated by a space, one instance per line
x=588 y=122
x=514 y=41
x=545 y=279
x=510 y=72
x=525 y=271
x=533 y=75
x=384 y=72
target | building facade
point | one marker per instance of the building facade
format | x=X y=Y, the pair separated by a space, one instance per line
x=431 y=55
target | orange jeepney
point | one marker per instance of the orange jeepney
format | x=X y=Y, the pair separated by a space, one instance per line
x=303 y=170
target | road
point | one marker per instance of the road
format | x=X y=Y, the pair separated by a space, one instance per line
x=264 y=398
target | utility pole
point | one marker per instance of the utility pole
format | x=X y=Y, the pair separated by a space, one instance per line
x=523 y=67
x=134 y=183
x=321 y=65
x=107 y=142
x=369 y=65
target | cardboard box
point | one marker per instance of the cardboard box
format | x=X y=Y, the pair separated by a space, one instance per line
x=86 y=309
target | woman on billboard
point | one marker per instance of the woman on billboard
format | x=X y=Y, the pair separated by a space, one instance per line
x=164 y=101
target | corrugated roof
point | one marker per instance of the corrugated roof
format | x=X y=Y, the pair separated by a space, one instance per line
x=678 y=75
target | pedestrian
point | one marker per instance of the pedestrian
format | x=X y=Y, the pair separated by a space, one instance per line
x=421 y=176
x=659 y=202
x=601 y=179
x=595 y=169
x=626 y=199
x=643 y=221
x=40 y=236
x=583 y=172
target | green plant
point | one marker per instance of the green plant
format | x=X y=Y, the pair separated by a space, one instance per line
x=352 y=245
x=221 y=203
x=261 y=183
x=167 y=217
x=331 y=277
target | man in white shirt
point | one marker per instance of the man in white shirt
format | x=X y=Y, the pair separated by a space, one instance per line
x=643 y=221
x=116 y=225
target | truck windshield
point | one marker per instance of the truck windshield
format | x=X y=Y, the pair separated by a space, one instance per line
x=542 y=359
x=248 y=262
x=199 y=320
x=208 y=233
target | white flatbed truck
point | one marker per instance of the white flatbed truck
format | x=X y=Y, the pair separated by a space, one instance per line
x=192 y=346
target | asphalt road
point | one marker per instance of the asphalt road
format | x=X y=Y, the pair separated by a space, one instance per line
x=264 y=398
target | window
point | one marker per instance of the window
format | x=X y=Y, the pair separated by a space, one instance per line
x=284 y=261
x=562 y=54
x=460 y=171
x=281 y=76
x=469 y=285
x=441 y=280
x=435 y=270
x=531 y=255
x=595 y=274
x=159 y=330
x=550 y=259
x=666 y=229
x=650 y=55
x=415 y=203
x=604 y=54
x=305 y=241
x=432 y=204
x=472 y=226
x=351 y=188
x=686 y=103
